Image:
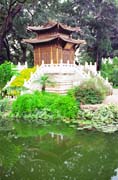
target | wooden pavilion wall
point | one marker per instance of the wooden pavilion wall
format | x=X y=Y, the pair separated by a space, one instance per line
x=48 y=53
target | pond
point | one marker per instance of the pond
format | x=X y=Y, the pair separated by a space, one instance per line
x=57 y=153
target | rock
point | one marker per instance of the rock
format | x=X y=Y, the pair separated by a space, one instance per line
x=92 y=107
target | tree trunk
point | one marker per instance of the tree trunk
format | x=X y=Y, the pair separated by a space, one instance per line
x=98 y=60
x=7 y=25
x=6 y=45
x=43 y=88
x=2 y=56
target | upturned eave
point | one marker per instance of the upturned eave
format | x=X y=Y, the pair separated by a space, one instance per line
x=61 y=37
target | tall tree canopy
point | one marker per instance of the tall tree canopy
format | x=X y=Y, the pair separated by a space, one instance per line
x=98 y=20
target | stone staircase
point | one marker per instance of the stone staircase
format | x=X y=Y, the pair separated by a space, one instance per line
x=64 y=76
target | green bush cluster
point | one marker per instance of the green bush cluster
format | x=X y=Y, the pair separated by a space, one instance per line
x=91 y=91
x=110 y=70
x=6 y=73
x=44 y=106
x=114 y=77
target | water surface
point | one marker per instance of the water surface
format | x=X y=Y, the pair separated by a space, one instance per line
x=57 y=153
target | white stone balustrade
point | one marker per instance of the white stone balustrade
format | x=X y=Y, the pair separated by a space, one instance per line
x=20 y=66
x=65 y=75
x=109 y=60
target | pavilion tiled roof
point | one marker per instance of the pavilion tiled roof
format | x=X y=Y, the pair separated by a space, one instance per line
x=51 y=25
x=54 y=37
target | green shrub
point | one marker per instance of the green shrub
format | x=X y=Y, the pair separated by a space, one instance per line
x=88 y=95
x=106 y=70
x=25 y=104
x=110 y=70
x=91 y=91
x=44 y=106
x=114 y=77
x=4 y=105
x=5 y=73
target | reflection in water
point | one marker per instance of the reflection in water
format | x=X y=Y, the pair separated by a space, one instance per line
x=84 y=156
x=9 y=154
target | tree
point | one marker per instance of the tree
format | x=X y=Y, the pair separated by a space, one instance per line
x=98 y=20
x=8 y=10
x=30 y=13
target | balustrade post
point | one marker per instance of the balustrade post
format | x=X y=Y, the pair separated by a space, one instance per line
x=37 y=67
x=26 y=65
x=42 y=63
x=61 y=61
x=19 y=66
x=31 y=74
x=86 y=64
x=51 y=61
x=99 y=73
x=106 y=79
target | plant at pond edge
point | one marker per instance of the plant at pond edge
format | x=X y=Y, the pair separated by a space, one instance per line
x=4 y=105
x=106 y=115
x=91 y=91
x=44 y=106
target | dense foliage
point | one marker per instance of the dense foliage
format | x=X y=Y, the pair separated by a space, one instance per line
x=97 y=19
x=5 y=73
x=91 y=91
x=110 y=70
x=115 y=77
x=44 y=106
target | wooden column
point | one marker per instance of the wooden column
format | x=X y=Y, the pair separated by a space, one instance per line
x=51 y=57
x=34 y=56
x=61 y=54
x=57 y=55
x=39 y=61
